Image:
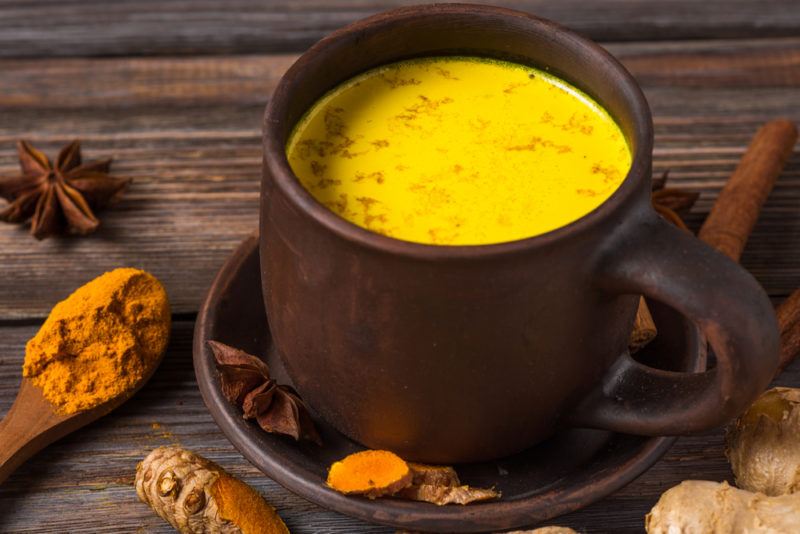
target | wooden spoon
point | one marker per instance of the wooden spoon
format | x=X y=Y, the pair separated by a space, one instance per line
x=32 y=422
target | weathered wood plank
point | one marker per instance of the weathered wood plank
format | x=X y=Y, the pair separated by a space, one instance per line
x=187 y=130
x=124 y=82
x=740 y=64
x=144 y=27
x=78 y=484
x=67 y=84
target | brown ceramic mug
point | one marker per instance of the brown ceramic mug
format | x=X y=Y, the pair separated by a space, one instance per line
x=466 y=353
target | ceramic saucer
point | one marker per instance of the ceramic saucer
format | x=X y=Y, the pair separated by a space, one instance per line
x=571 y=470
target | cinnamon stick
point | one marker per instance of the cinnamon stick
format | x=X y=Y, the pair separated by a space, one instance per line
x=644 y=328
x=788 y=314
x=735 y=212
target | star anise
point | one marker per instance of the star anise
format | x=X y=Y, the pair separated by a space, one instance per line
x=61 y=197
x=277 y=408
x=671 y=203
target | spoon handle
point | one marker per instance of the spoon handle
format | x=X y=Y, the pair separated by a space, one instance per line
x=30 y=425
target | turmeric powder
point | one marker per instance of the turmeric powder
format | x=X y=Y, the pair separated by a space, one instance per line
x=197 y=496
x=101 y=342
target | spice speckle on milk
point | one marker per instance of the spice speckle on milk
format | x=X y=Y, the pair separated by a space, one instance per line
x=458 y=151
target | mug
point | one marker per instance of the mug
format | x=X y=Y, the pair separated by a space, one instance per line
x=449 y=354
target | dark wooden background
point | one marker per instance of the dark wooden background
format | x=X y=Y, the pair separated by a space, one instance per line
x=174 y=91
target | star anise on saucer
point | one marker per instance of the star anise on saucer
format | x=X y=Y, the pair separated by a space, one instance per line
x=672 y=203
x=246 y=382
x=58 y=198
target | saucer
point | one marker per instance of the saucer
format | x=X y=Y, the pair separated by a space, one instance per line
x=569 y=471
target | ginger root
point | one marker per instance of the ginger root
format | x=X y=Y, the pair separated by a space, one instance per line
x=197 y=496
x=763 y=445
x=370 y=473
x=702 y=507
x=441 y=485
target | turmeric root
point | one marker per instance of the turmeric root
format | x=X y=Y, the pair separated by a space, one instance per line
x=701 y=507
x=370 y=473
x=441 y=485
x=196 y=496
x=763 y=445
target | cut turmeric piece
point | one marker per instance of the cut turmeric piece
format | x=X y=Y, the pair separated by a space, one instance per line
x=370 y=473
x=383 y=473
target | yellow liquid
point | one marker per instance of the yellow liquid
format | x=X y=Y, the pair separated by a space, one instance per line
x=458 y=151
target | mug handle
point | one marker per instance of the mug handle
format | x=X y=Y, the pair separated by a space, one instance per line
x=731 y=310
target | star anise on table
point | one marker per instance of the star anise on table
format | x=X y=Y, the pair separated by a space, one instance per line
x=246 y=383
x=672 y=203
x=58 y=198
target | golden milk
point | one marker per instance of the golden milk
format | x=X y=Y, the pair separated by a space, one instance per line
x=458 y=151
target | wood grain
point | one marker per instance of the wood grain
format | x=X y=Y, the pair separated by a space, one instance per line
x=80 y=83
x=77 y=484
x=187 y=131
x=171 y=27
x=765 y=62
x=738 y=205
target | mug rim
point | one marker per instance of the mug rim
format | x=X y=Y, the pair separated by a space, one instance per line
x=276 y=160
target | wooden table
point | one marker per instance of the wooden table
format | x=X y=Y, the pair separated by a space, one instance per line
x=174 y=91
